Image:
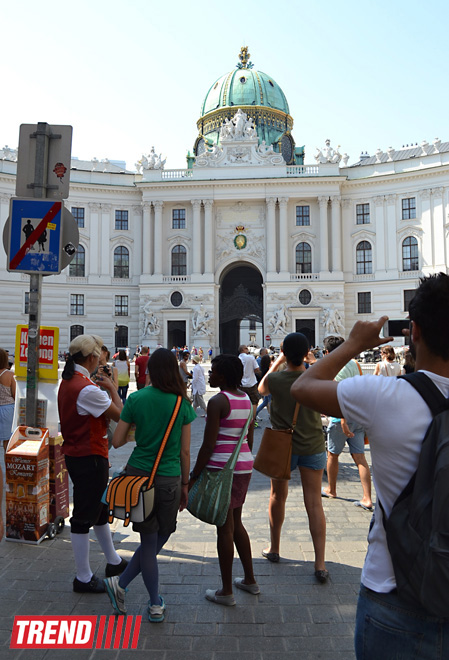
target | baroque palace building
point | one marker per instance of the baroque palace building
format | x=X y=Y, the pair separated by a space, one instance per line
x=247 y=242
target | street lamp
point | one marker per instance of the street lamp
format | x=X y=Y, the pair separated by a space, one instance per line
x=116 y=329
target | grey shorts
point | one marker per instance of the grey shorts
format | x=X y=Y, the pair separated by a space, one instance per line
x=336 y=439
x=166 y=504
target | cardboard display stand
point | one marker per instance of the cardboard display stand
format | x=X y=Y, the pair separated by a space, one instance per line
x=27 y=485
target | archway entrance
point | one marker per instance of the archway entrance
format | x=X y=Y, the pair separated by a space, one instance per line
x=241 y=308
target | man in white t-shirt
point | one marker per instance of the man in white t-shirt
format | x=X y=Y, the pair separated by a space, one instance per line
x=396 y=419
x=249 y=383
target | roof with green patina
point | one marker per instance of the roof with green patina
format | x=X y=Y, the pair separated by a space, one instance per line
x=243 y=87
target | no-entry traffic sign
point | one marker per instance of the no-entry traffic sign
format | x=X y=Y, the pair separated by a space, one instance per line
x=34 y=244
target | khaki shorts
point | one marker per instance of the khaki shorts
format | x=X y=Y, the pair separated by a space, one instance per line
x=253 y=394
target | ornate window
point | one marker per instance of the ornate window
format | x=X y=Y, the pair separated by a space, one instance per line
x=179 y=219
x=410 y=257
x=409 y=208
x=77 y=266
x=362 y=214
x=77 y=304
x=364 y=258
x=305 y=297
x=75 y=331
x=121 y=262
x=176 y=298
x=78 y=214
x=121 y=305
x=408 y=296
x=121 y=220
x=364 y=302
x=303 y=216
x=179 y=260
x=303 y=258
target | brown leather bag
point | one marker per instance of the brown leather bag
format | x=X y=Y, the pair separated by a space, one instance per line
x=275 y=452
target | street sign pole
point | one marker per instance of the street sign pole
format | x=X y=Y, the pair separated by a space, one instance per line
x=34 y=317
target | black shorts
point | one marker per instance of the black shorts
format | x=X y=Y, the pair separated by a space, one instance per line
x=90 y=475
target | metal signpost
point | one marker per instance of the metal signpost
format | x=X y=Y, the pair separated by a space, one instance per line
x=43 y=173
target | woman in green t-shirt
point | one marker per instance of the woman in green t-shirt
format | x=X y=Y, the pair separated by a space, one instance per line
x=308 y=450
x=150 y=409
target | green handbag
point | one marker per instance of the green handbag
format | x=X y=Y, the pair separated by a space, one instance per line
x=210 y=495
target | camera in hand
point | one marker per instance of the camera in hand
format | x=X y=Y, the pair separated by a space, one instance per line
x=106 y=370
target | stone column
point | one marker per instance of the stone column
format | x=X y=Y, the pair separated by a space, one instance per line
x=147 y=247
x=336 y=233
x=324 y=237
x=104 y=239
x=426 y=225
x=392 y=248
x=271 y=234
x=208 y=236
x=196 y=244
x=346 y=223
x=95 y=245
x=283 y=235
x=438 y=229
x=380 y=233
x=157 y=247
x=137 y=233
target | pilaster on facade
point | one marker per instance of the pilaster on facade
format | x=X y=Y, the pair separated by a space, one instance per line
x=336 y=233
x=158 y=250
x=426 y=225
x=271 y=235
x=438 y=229
x=147 y=240
x=283 y=233
x=346 y=226
x=323 y=202
x=197 y=242
x=208 y=238
x=379 y=202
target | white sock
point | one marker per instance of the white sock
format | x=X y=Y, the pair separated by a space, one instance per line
x=104 y=536
x=80 y=547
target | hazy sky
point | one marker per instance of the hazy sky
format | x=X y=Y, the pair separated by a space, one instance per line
x=129 y=75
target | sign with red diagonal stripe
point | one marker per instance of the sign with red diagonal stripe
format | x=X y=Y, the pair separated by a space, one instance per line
x=35 y=236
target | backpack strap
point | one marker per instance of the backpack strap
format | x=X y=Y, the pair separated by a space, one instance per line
x=424 y=385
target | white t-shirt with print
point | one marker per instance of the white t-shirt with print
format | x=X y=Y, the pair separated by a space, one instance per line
x=396 y=419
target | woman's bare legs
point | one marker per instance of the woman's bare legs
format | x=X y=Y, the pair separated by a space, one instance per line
x=311 y=488
x=276 y=513
x=243 y=545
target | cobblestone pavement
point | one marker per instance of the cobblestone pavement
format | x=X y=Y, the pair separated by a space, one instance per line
x=293 y=617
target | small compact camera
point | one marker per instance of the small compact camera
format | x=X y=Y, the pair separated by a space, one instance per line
x=106 y=370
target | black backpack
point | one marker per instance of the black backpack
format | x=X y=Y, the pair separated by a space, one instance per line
x=418 y=527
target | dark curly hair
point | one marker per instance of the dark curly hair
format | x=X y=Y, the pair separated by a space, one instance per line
x=230 y=367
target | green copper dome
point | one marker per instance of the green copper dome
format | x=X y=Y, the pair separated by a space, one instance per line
x=260 y=97
x=245 y=87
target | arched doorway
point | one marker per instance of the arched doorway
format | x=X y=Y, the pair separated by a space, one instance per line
x=241 y=308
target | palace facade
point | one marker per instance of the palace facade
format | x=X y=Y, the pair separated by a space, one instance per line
x=247 y=243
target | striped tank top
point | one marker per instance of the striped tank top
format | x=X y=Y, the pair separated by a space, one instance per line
x=229 y=435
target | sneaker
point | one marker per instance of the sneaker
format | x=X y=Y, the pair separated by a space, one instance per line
x=94 y=586
x=115 y=569
x=256 y=425
x=116 y=594
x=156 y=613
x=250 y=588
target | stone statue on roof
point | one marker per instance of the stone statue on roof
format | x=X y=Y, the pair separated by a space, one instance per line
x=328 y=154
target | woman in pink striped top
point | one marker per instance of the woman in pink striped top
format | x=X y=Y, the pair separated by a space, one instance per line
x=227 y=413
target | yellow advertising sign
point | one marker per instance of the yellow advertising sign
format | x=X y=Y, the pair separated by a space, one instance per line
x=48 y=352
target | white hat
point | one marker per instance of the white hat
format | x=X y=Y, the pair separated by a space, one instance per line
x=86 y=345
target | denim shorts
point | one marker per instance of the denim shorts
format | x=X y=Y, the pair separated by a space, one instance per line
x=336 y=439
x=312 y=461
x=388 y=628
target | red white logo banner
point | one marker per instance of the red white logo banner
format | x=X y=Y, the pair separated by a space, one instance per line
x=75 y=632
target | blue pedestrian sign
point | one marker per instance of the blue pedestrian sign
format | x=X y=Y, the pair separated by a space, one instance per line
x=35 y=233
